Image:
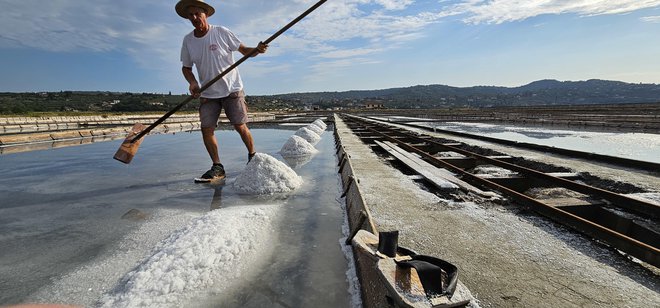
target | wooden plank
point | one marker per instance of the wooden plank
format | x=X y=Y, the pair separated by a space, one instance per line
x=437 y=176
x=501 y=157
x=564 y=175
x=438 y=172
x=569 y=201
x=442 y=173
x=414 y=163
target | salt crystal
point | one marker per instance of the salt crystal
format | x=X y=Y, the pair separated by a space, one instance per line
x=297 y=146
x=202 y=256
x=319 y=131
x=309 y=135
x=320 y=123
x=265 y=174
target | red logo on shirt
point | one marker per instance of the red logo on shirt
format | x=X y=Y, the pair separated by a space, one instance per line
x=213 y=47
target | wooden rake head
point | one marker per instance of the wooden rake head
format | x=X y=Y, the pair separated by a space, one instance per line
x=129 y=147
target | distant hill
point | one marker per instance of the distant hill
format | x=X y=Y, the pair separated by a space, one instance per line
x=542 y=92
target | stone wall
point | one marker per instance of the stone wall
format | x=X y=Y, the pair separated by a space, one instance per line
x=26 y=131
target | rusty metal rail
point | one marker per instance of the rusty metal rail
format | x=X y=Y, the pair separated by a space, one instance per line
x=592 y=219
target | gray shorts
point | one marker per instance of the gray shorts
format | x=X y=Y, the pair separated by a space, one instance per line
x=234 y=105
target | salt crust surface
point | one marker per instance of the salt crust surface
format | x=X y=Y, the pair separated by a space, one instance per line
x=85 y=285
x=493 y=171
x=267 y=175
x=320 y=123
x=297 y=146
x=653 y=197
x=204 y=257
x=309 y=135
x=318 y=130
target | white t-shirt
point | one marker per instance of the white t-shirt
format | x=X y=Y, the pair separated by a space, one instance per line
x=212 y=54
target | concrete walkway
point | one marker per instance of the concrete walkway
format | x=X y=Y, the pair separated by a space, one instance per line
x=507 y=257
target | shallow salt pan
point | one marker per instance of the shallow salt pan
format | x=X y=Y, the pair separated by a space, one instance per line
x=202 y=258
x=267 y=175
x=297 y=146
x=309 y=135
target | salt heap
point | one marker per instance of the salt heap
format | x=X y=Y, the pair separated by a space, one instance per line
x=266 y=175
x=210 y=253
x=320 y=123
x=309 y=135
x=297 y=146
x=319 y=131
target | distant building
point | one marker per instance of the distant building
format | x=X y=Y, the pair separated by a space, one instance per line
x=374 y=105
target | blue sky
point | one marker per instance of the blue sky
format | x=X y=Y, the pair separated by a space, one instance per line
x=133 y=46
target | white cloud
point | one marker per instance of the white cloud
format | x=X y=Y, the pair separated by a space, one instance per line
x=346 y=20
x=105 y=25
x=499 y=11
x=338 y=34
x=152 y=26
x=394 y=4
x=63 y=25
x=651 y=19
x=148 y=31
x=348 y=53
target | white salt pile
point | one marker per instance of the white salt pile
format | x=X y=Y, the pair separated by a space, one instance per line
x=320 y=123
x=493 y=171
x=297 y=146
x=267 y=175
x=319 y=131
x=202 y=258
x=309 y=135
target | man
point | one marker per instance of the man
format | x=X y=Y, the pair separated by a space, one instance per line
x=210 y=48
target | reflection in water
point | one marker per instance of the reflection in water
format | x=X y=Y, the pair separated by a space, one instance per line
x=216 y=202
x=297 y=161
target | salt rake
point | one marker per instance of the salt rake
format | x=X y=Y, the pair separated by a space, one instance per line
x=129 y=147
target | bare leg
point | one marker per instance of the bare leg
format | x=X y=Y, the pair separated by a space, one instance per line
x=211 y=143
x=246 y=136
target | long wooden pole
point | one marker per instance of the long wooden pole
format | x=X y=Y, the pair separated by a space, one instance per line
x=226 y=71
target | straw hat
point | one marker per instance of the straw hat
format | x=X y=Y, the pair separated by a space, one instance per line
x=182 y=7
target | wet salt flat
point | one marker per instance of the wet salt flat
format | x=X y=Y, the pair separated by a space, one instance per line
x=77 y=227
x=639 y=146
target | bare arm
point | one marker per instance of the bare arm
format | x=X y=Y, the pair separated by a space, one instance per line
x=192 y=81
x=261 y=48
